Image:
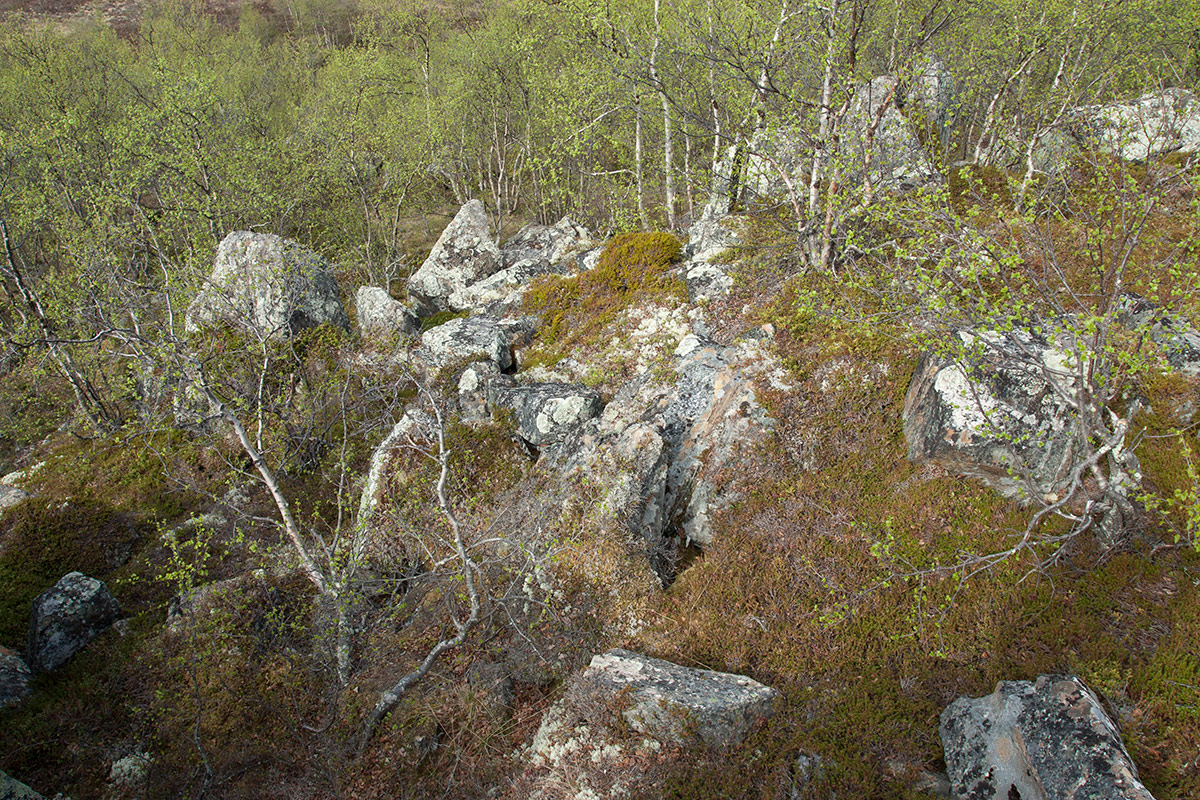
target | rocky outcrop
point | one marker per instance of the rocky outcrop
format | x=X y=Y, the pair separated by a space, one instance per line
x=466 y=338
x=993 y=414
x=1049 y=739
x=269 y=286
x=14 y=678
x=663 y=449
x=546 y=412
x=463 y=254
x=1150 y=126
x=13 y=789
x=545 y=247
x=473 y=386
x=535 y=250
x=68 y=616
x=625 y=711
x=380 y=316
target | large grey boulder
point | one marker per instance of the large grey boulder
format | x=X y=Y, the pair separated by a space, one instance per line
x=612 y=734
x=382 y=316
x=14 y=678
x=65 y=618
x=1049 y=739
x=675 y=704
x=466 y=338
x=533 y=251
x=549 y=247
x=994 y=413
x=1152 y=125
x=463 y=254
x=670 y=703
x=269 y=286
x=895 y=154
x=13 y=789
x=546 y=412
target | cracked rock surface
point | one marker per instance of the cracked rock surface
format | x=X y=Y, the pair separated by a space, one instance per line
x=1048 y=739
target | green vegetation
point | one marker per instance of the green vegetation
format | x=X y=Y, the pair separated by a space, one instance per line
x=840 y=573
x=634 y=269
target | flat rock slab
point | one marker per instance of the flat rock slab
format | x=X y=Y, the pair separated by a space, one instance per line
x=1049 y=739
x=675 y=704
x=269 y=285
x=64 y=619
x=546 y=412
x=13 y=789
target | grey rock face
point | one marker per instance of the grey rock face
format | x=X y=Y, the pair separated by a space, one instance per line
x=270 y=286
x=463 y=254
x=546 y=412
x=1044 y=740
x=11 y=496
x=1152 y=125
x=673 y=703
x=13 y=789
x=662 y=450
x=996 y=418
x=14 y=678
x=464 y=338
x=706 y=281
x=534 y=251
x=473 y=389
x=896 y=156
x=547 y=246
x=1180 y=342
x=68 y=616
x=380 y=315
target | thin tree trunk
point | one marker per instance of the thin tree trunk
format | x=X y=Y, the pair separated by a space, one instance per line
x=638 y=169
x=668 y=143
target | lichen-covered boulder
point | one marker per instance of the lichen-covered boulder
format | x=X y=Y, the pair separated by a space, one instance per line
x=895 y=155
x=1049 y=739
x=622 y=722
x=267 y=285
x=463 y=254
x=546 y=412
x=1179 y=340
x=473 y=386
x=465 y=338
x=382 y=316
x=1150 y=126
x=14 y=678
x=535 y=250
x=11 y=496
x=65 y=618
x=993 y=415
x=549 y=247
x=13 y=789
x=675 y=704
